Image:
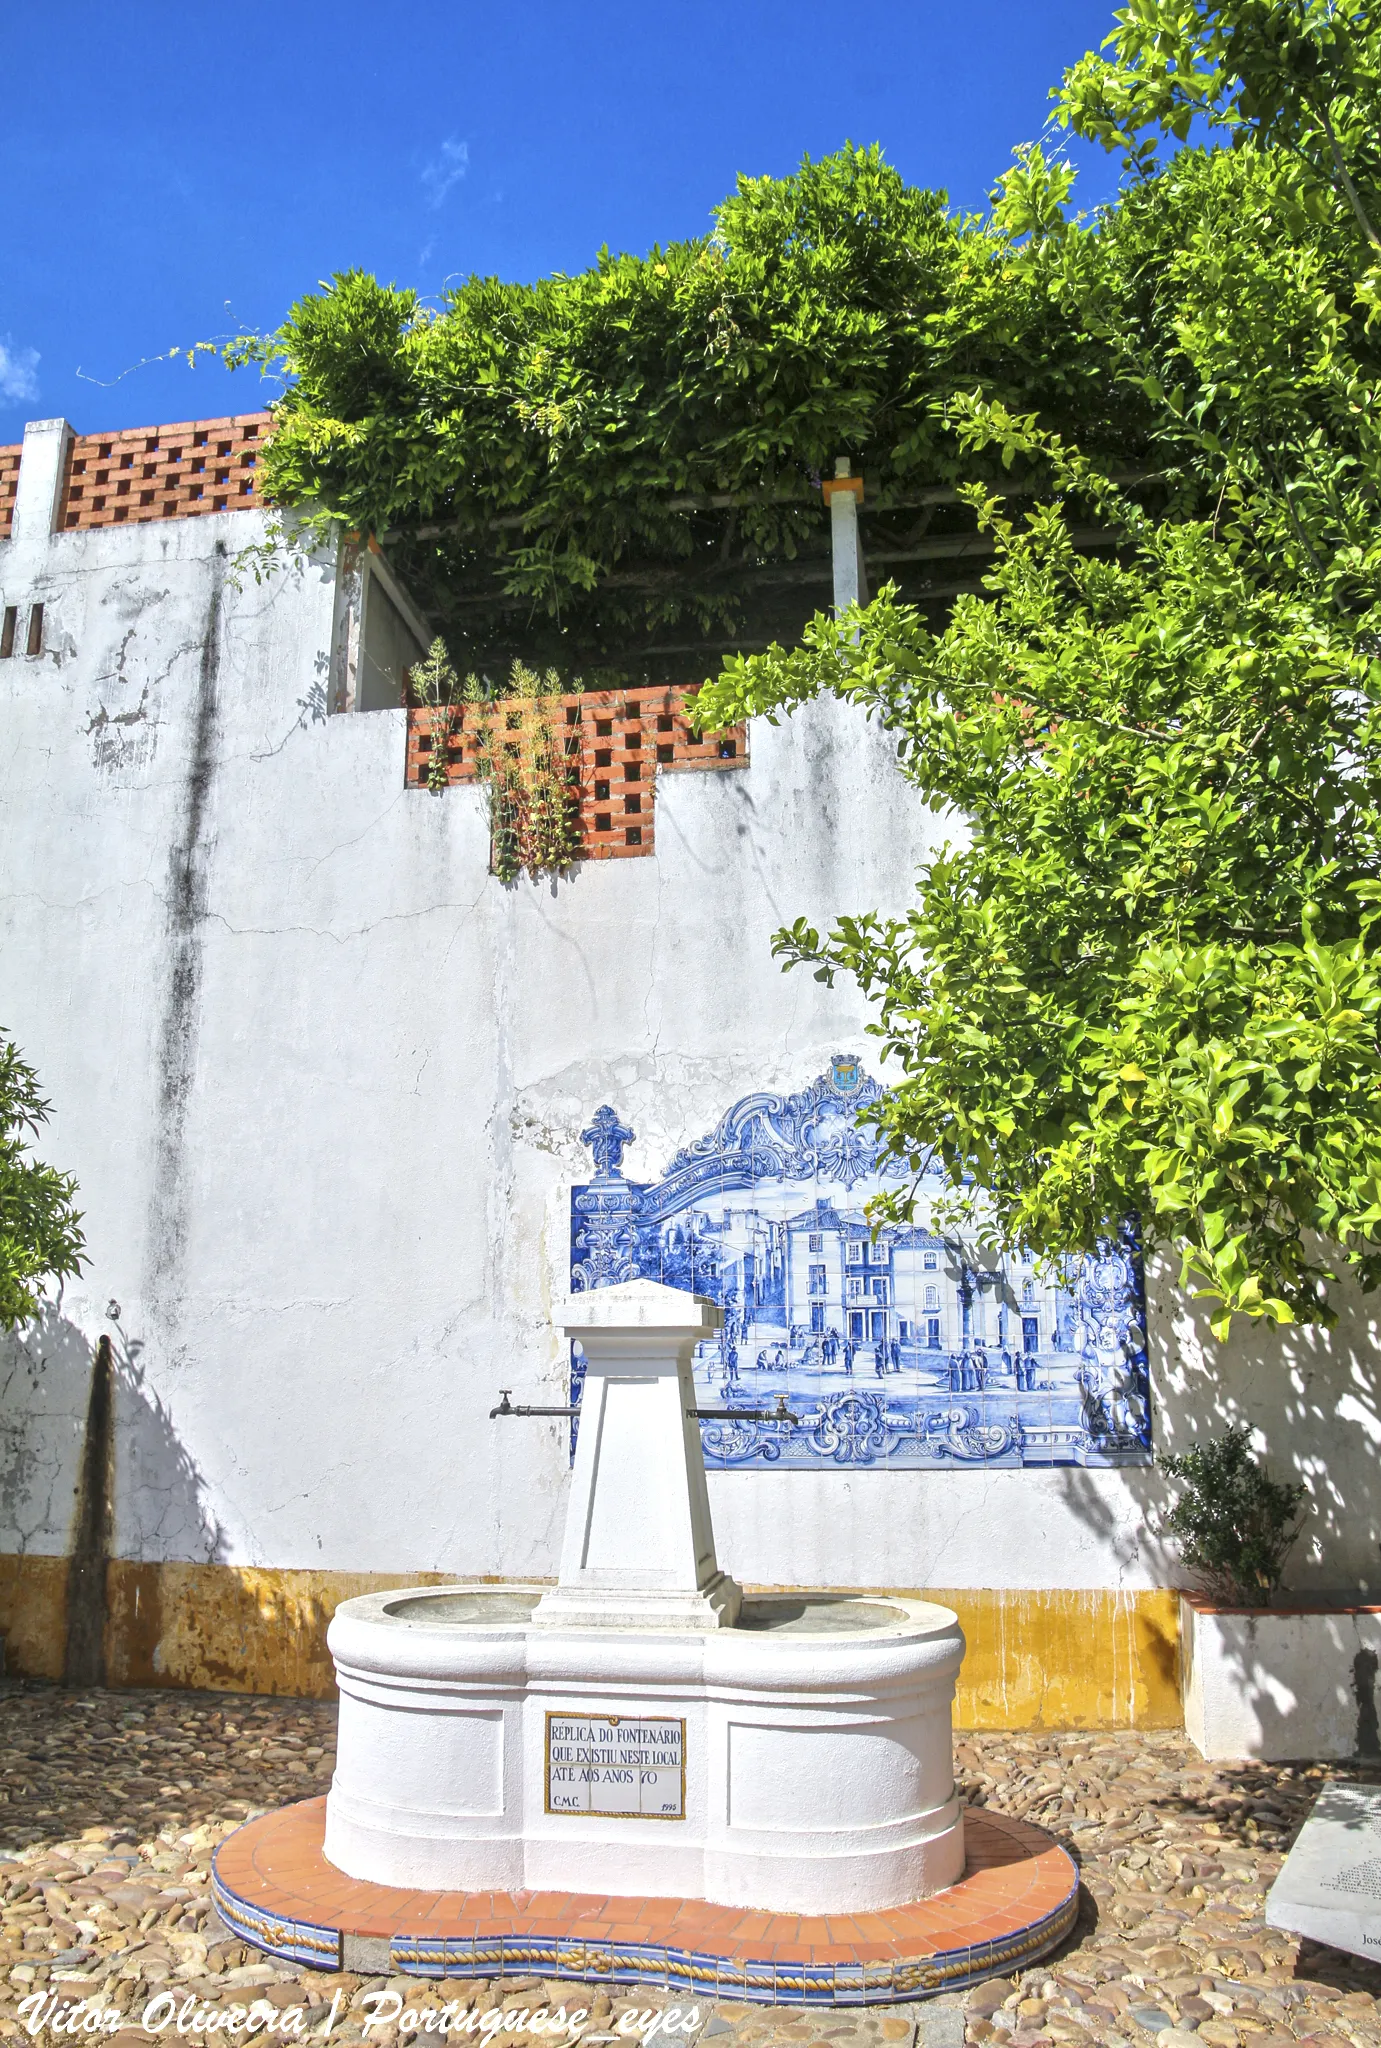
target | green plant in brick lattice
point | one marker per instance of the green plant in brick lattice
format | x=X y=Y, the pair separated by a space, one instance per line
x=534 y=803
x=541 y=792
x=436 y=685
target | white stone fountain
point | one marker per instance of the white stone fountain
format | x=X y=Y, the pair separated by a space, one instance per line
x=642 y=1727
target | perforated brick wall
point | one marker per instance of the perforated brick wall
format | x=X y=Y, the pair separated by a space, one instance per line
x=9 y=483
x=163 y=472
x=616 y=744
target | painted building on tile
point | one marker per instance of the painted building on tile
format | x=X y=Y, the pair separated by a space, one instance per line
x=349 y=1115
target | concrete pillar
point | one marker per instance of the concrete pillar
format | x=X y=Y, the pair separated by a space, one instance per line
x=844 y=494
x=639 y=1547
x=39 y=490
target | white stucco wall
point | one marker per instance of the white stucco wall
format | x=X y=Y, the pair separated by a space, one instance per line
x=322 y=1079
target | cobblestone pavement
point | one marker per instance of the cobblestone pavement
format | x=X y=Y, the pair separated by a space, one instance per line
x=111 y=1805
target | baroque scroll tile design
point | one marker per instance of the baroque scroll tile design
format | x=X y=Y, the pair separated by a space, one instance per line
x=912 y=1349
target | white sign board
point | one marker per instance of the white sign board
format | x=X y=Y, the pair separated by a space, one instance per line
x=1330 y=1886
x=627 y=1764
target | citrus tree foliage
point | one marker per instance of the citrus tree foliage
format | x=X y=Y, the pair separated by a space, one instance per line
x=602 y=456
x=1145 y=974
x=1299 y=76
x=40 y=1226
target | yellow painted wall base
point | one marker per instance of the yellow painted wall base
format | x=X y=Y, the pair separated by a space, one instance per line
x=1043 y=1659
x=33 y=1615
x=1058 y=1659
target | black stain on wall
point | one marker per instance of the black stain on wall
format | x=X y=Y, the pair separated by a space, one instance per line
x=84 y=1662
x=189 y=864
x=1364 y=1668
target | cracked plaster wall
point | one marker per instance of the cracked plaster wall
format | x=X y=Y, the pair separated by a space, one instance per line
x=321 y=1079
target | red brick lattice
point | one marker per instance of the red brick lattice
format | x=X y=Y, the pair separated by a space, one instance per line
x=9 y=484
x=616 y=744
x=172 y=472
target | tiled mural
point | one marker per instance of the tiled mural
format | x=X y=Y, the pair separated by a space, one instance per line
x=912 y=1349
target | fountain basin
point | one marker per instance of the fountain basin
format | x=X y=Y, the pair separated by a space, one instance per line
x=799 y=1761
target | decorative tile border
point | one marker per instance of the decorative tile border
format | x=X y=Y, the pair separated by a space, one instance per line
x=1017 y=1900
x=278 y=1935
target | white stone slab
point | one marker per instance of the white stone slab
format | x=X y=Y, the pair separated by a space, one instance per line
x=1330 y=1887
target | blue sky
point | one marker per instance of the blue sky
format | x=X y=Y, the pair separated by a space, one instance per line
x=181 y=172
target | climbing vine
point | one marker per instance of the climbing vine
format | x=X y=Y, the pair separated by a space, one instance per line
x=616 y=473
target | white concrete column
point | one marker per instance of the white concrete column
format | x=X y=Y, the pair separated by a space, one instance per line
x=39 y=489
x=844 y=494
x=639 y=1547
x=345 y=625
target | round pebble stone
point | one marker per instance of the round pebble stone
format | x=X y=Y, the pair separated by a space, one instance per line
x=111 y=1805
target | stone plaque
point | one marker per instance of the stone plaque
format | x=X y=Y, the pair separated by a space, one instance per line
x=1330 y=1887
x=628 y=1764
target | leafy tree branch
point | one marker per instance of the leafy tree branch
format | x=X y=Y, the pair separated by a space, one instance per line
x=40 y=1226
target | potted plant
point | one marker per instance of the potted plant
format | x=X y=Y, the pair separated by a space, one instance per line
x=1263 y=1676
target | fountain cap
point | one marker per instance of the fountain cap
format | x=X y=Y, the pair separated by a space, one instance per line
x=639 y=1305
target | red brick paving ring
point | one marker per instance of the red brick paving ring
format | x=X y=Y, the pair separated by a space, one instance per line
x=1016 y=1900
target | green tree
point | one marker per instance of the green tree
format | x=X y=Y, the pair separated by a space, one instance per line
x=1143 y=975
x=581 y=468
x=40 y=1227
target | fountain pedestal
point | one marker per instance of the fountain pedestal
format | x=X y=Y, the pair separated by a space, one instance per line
x=639 y=1546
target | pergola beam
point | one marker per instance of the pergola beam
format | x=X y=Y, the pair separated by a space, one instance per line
x=946 y=547
x=928 y=496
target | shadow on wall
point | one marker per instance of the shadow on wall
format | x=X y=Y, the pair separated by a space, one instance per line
x=1312 y=1399
x=161 y=1507
x=46 y=1408
x=45 y=1378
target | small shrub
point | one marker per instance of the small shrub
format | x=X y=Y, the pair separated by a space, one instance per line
x=1233 y=1523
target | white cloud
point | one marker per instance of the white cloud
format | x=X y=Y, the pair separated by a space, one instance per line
x=17 y=367
x=446 y=168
